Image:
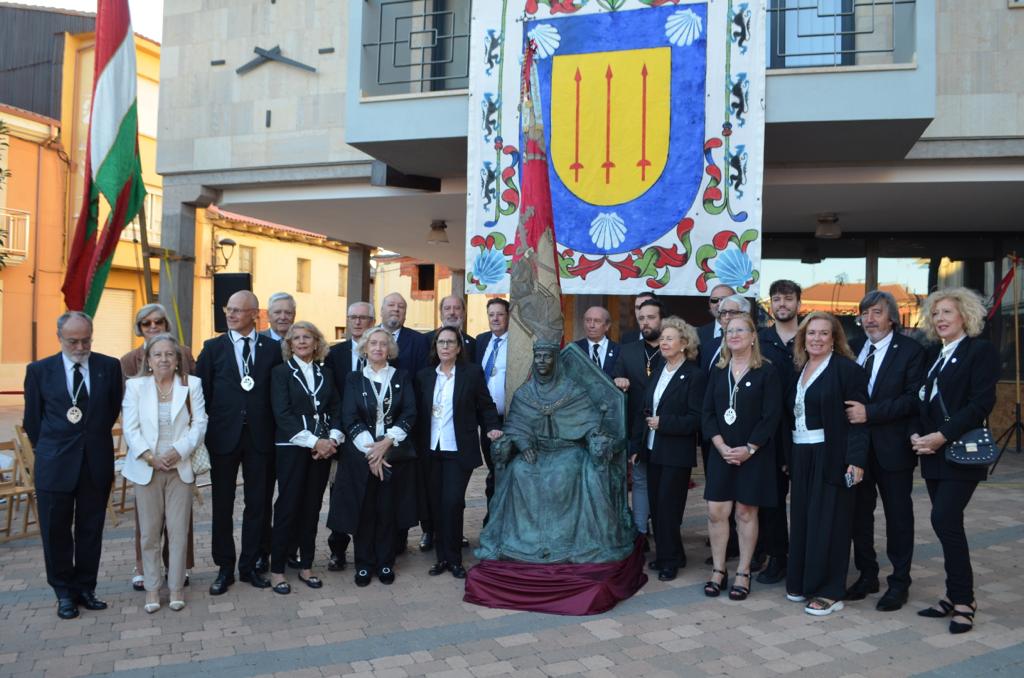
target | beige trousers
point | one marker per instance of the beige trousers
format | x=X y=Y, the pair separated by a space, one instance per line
x=166 y=500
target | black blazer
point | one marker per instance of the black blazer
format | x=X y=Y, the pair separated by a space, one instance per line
x=60 y=446
x=968 y=387
x=632 y=365
x=709 y=345
x=630 y=337
x=473 y=409
x=894 y=401
x=413 y=351
x=483 y=340
x=780 y=355
x=359 y=411
x=294 y=410
x=610 y=358
x=758 y=404
x=339 y=360
x=679 y=411
x=845 y=443
x=228 y=404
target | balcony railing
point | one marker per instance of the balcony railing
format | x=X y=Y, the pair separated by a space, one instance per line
x=809 y=33
x=14 y=230
x=414 y=46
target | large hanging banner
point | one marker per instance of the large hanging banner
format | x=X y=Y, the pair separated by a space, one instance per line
x=653 y=112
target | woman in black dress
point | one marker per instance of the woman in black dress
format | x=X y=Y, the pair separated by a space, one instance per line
x=742 y=407
x=374 y=490
x=454 y=404
x=962 y=379
x=307 y=414
x=827 y=458
x=665 y=437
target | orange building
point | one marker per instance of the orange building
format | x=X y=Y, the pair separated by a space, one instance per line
x=844 y=298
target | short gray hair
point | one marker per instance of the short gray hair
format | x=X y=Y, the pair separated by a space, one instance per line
x=876 y=297
x=68 y=315
x=737 y=299
x=362 y=303
x=281 y=296
x=147 y=310
x=365 y=339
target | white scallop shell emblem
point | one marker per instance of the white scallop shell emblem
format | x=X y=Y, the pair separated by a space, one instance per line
x=683 y=27
x=547 y=39
x=607 y=230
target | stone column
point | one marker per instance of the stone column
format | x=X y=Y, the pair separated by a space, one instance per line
x=178 y=234
x=359 y=274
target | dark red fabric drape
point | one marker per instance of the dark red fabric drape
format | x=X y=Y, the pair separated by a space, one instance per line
x=569 y=589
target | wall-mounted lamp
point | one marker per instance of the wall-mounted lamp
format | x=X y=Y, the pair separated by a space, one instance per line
x=828 y=226
x=438 y=233
x=225 y=247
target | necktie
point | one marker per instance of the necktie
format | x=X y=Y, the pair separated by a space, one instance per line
x=594 y=355
x=869 y=365
x=933 y=374
x=78 y=387
x=489 y=367
x=246 y=355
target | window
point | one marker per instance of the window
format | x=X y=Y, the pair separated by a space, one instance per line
x=339 y=333
x=425 y=277
x=246 y=258
x=302 y=275
x=342 y=280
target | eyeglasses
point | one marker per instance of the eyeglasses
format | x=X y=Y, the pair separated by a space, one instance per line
x=360 y=318
x=714 y=300
x=155 y=323
x=447 y=342
x=730 y=312
x=232 y=310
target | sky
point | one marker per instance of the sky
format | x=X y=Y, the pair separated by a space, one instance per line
x=147 y=15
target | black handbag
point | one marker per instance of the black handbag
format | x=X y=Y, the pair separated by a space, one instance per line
x=976 y=447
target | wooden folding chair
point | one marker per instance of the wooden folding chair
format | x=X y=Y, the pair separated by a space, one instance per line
x=23 y=489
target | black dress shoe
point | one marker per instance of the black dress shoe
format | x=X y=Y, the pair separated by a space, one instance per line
x=667 y=574
x=465 y=543
x=386 y=576
x=261 y=566
x=66 y=608
x=256 y=579
x=427 y=541
x=89 y=601
x=458 y=571
x=440 y=567
x=336 y=563
x=221 y=584
x=362 y=578
x=293 y=562
x=653 y=565
x=774 y=572
x=861 y=588
x=892 y=600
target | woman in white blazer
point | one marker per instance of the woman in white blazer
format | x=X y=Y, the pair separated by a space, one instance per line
x=164 y=418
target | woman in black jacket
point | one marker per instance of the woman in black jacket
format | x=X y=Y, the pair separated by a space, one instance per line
x=374 y=490
x=665 y=437
x=454 y=404
x=826 y=459
x=957 y=396
x=741 y=413
x=307 y=416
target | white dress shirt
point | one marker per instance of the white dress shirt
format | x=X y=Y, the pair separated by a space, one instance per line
x=69 y=374
x=943 y=359
x=801 y=435
x=496 y=380
x=442 y=425
x=364 y=441
x=602 y=349
x=236 y=340
x=305 y=438
x=880 y=349
x=659 y=390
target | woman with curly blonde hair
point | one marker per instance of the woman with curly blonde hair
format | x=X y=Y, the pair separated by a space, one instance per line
x=957 y=396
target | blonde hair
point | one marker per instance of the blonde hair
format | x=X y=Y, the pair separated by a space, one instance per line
x=839 y=344
x=686 y=333
x=319 y=351
x=968 y=304
x=392 y=344
x=145 y=370
x=756 y=359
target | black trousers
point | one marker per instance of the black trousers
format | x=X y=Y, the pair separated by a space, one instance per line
x=447 y=491
x=375 y=534
x=267 y=531
x=773 y=528
x=71 y=529
x=821 y=518
x=223 y=478
x=895 y=488
x=667 y=488
x=949 y=499
x=301 y=481
x=485 y=448
x=338 y=542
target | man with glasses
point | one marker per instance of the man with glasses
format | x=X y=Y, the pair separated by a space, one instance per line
x=491 y=355
x=343 y=359
x=72 y=400
x=638 y=300
x=895 y=368
x=235 y=369
x=710 y=335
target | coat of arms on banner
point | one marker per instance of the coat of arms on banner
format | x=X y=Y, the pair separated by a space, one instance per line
x=654 y=120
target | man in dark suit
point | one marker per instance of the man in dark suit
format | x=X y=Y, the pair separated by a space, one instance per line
x=491 y=355
x=895 y=368
x=453 y=314
x=638 y=300
x=777 y=346
x=710 y=335
x=343 y=358
x=596 y=344
x=72 y=400
x=235 y=369
x=637 y=362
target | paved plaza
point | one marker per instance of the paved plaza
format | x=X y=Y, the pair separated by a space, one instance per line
x=420 y=626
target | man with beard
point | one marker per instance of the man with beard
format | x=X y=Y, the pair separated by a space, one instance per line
x=710 y=335
x=637 y=361
x=638 y=300
x=491 y=355
x=777 y=346
x=453 y=314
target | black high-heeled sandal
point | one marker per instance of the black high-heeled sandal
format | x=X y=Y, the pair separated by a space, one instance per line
x=712 y=588
x=945 y=607
x=738 y=592
x=956 y=627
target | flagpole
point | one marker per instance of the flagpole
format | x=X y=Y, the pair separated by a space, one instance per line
x=1013 y=431
x=147 y=275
